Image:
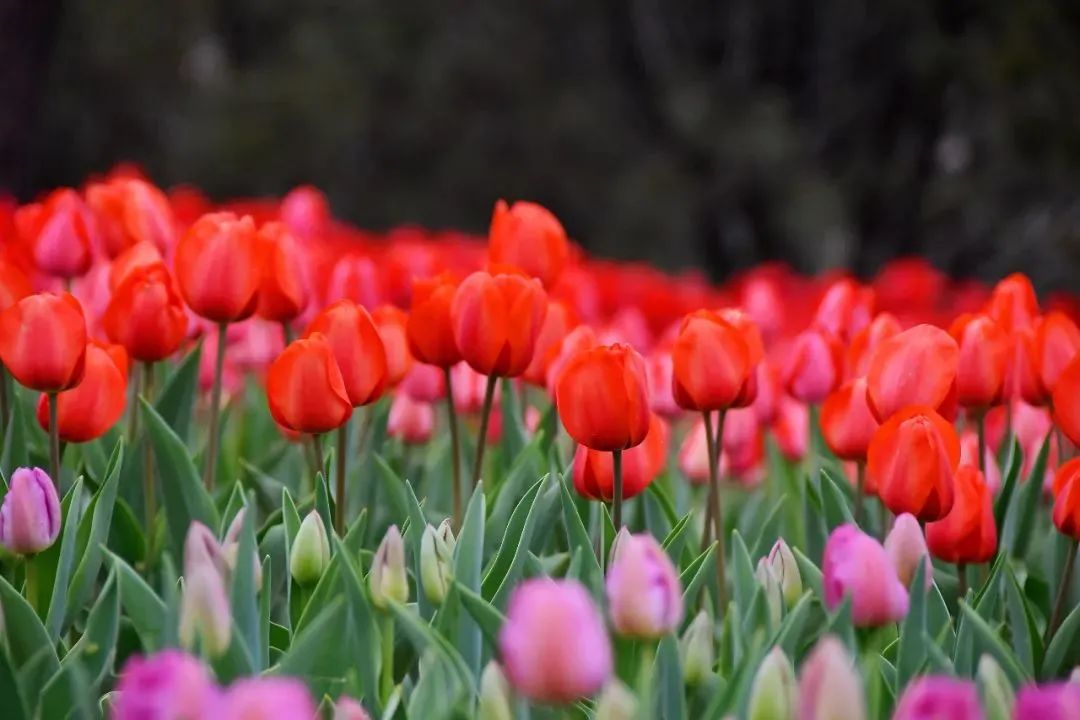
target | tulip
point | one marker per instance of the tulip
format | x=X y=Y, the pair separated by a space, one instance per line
x=410 y=421
x=494 y=701
x=696 y=649
x=558 y=321
x=357 y=278
x=593 y=471
x=259 y=698
x=138 y=256
x=694 y=455
x=969 y=455
x=1057 y=342
x=865 y=342
x=984 y=354
x=616 y=702
x=14 y=285
x=429 y=328
x=204 y=610
x=915 y=367
x=437 y=561
x=583 y=337
x=968 y=533
x=388 y=579
x=939 y=697
x=310 y=553
x=912 y=460
x=643 y=589
x=845 y=309
x=814 y=367
x=846 y=421
x=746 y=326
x=202 y=548
x=659 y=370
x=169 y=685
x=30 y=516
x=711 y=362
x=783 y=565
x=528 y=236
x=283 y=294
x=219 y=267
x=906 y=548
x=230 y=546
x=791 y=429
x=130 y=211
x=89 y=409
x=1052 y=701
x=348 y=709
x=43 y=341
x=424 y=383
x=1013 y=303
x=391 y=323
x=773 y=694
x=829 y=684
x=1023 y=380
x=553 y=643
x=856 y=565
x=58 y=231
x=1066 y=408
x=774 y=599
x=146 y=314
x=357 y=347
x=304 y=387
x=996 y=692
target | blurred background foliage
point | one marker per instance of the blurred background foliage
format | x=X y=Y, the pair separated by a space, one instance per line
x=683 y=132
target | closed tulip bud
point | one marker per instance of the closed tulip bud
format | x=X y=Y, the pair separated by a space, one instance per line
x=583 y=337
x=1066 y=408
x=169 y=685
x=786 y=571
x=1066 y=491
x=89 y=409
x=304 y=388
x=906 y=548
x=43 y=341
x=219 y=267
x=1057 y=341
x=915 y=367
x=58 y=232
x=348 y=709
x=230 y=545
x=773 y=694
x=496 y=319
x=528 y=236
x=774 y=598
x=968 y=534
x=14 y=285
x=1013 y=303
x=553 y=644
x=310 y=554
x=984 y=354
x=939 y=697
x=815 y=366
x=429 y=329
x=131 y=211
x=205 y=620
x=558 y=321
x=283 y=293
x=996 y=691
x=829 y=685
x=696 y=649
x=594 y=474
x=616 y=702
x=391 y=323
x=856 y=565
x=711 y=362
x=603 y=399
x=388 y=579
x=494 y=701
x=617 y=544
x=865 y=342
x=30 y=516
x=845 y=309
x=358 y=349
x=146 y=314
x=1052 y=701
x=137 y=257
x=437 y=561
x=846 y=421
x=643 y=589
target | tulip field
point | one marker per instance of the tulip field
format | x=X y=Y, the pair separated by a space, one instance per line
x=258 y=463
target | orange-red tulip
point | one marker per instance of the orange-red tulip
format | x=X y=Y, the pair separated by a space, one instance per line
x=304 y=387
x=282 y=293
x=391 y=322
x=358 y=348
x=984 y=353
x=130 y=211
x=496 y=320
x=355 y=277
x=1067 y=501
x=968 y=533
x=219 y=267
x=863 y=344
x=1023 y=380
x=43 y=341
x=742 y=322
x=845 y=309
x=711 y=362
x=1066 y=401
x=13 y=285
x=58 y=231
x=815 y=366
x=603 y=398
x=557 y=323
x=1057 y=342
x=846 y=421
x=594 y=469
x=911 y=461
x=134 y=257
x=89 y=409
x=1013 y=303
x=580 y=338
x=431 y=334
x=915 y=367
x=146 y=314
x=791 y=429
x=528 y=236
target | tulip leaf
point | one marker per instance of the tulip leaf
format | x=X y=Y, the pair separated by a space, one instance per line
x=993 y=643
x=656 y=491
x=789 y=635
x=423 y=638
x=1021 y=521
x=14 y=704
x=508 y=494
x=60 y=557
x=186 y=499
x=144 y=609
x=324 y=504
x=487 y=616
x=291 y=521
x=439 y=688
x=697 y=573
x=667 y=670
x=742 y=570
x=325 y=591
x=514 y=435
x=32 y=653
x=834 y=502
x=938 y=619
x=17 y=436
x=842 y=625
x=766 y=536
x=811 y=575
x=1008 y=486
x=468 y=567
x=578 y=537
x=319 y=649
x=243 y=595
x=912 y=651
x=675 y=540
x=1025 y=637
x=937 y=660
x=500 y=566
x=365 y=641
x=177 y=398
x=1064 y=649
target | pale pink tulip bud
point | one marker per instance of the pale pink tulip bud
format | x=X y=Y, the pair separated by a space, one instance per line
x=280 y=698
x=30 y=515
x=786 y=570
x=643 y=589
x=494 y=701
x=205 y=619
x=437 y=561
x=348 y=709
x=829 y=687
x=856 y=564
x=774 y=598
x=616 y=702
x=939 y=697
x=388 y=579
x=773 y=694
x=201 y=547
x=554 y=645
x=231 y=543
x=906 y=547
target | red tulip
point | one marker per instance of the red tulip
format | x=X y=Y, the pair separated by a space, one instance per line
x=391 y=322
x=282 y=293
x=356 y=278
x=791 y=429
x=1065 y=401
x=984 y=352
x=1013 y=303
x=968 y=533
x=146 y=315
x=431 y=334
x=13 y=285
x=557 y=323
x=814 y=366
x=358 y=349
x=742 y=322
x=580 y=338
x=219 y=267
x=528 y=236
x=916 y=367
x=603 y=399
x=58 y=230
x=1057 y=342
x=1023 y=380
x=135 y=256
x=305 y=389
x=43 y=341
x=911 y=461
x=89 y=409
x=131 y=211
x=846 y=421
x=1066 y=514
x=711 y=362
x=496 y=320
x=593 y=469
x=845 y=309
x=863 y=344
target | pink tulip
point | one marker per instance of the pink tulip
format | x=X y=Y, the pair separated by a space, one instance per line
x=30 y=516
x=424 y=383
x=969 y=455
x=268 y=698
x=170 y=685
x=659 y=367
x=930 y=698
x=553 y=644
x=856 y=564
x=814 y=366
x=410 y=421
x=1053 y=701
x=469 y=387
x=906 y=547
x=348 y=709
x=694 y=455
x=829 y=686
x=643 y=589
x=357 y=278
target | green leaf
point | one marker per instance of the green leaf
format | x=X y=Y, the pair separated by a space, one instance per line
x=834 y=502
x=1008 y=486
x=143 y=607
x=323 y=502
x=439 y=688
x=696 y=573
x=32 y=654
x=424 y=638
x=1025 y=637
x=994 y=645
x=669 y=675
x=765 y=538
x=317 y=650
x=177 y=398
x=468 y=566
x=63 y=557
x=514 y=435
x=17 y=437
x=500 y=566
x=742 y=572
x=365 y=643
x=264 y=614
x=1064 y=649
x=578 y=537
x=508 y=494
x=243 y=595
x=186 y=499
x=912 y=652
x=486 y=615
x=790 y=632
x=809 y=572
x=1021 y=522
x=9 y=686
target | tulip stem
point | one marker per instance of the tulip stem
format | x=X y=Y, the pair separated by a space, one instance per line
x=714 y=448
x=31 y=587
x=316 y=456
x=54 y=438
x=961 y=581
x=3 y=400
x=1062 y=594
x=133 y=417
x=339 y=475
x=980 y=426
x=149 y=490
x=617 y=498
x=386 y=677
x=455 y=449
x=215 y=410
x=860 y=482
x=287 y=333
x=485 y=416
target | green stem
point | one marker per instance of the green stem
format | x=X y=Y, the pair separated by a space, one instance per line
x=961 y=581
x=316 y=456
x=3 y=399
x=339 y=473
x=32 y=582
x=617 y=498
x=287 y=333
x=386 y=677
x=54 y=438
x=980 y=426
x=715 y=447
x=485 y=416
x=149 y=489
x=455 y=445
x=1062 y=595
x=133 y=411
x=215 y=410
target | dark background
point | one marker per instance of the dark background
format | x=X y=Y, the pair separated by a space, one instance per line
x=684 y=132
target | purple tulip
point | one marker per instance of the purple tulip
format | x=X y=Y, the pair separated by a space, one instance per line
x=170 y=685
x=268 y=698
x=1054 y=701
x=939 y=698
x=855 y=564
x=643 y=589
x=30 y=516
x=553 y=644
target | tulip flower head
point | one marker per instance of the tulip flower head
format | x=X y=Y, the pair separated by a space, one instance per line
x=388 y=579
x=357 y=347
x=437 y=561
x=146 y=314
x=169 y=684
x=602 y=396
x=774 y=694
x=309 y=555
x=391 y=323
x=30 y=515
x=939 y=697
x=411 y=421
x=283 y=293
x=696 y=649
x=348 y=709
x=305 y=389
x=43 y=341
x=88 y=410
x=1066 y=490
x=1052 y=701
x=59 y=232
x=130 y=211
x=218 y=267
x=494 y=702
x=856 y=565
x=906 y=547
x=968 y=534
x=911 y=461
x=829 y=684
x=915 y=367
x=280 y=698
x=814 y=367
x=984 y=354
x=711 y=362
x=593 y=472
x=1013 y=303
x=530 y=237
x=782 y=563
x=846 y=421
x=643 y=589
x=429 y=327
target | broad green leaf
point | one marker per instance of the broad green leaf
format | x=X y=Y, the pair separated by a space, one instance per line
x=142 y=606
x=671 y=695
x=264 y=614
x=1021 y=521
x=468 y=566
x=1008 y=486
x=500 y=566
x=514 y=435
x=993 y=644
x=365 y=642
x=31 y=651
x=62 y=556
x=243 y=595
x=766 y=536
x=519 y=480
x=424 y=638
x=578 y=537
x=1064 y=649
x=790 y=633
x=696 y=573
x=439 y=688
x=486 y=615
x=912 y=651
x=742 y=572
x=834 y=502
x=176 y=401
x=317 y=650
x=809 y=572
x=1025 y=638
x=14 y=704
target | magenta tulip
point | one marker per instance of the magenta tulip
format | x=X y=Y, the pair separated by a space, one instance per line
x=856 y=564
x=931 y=698
x=1053 y=701
x=170 y=685
x=268 y=698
